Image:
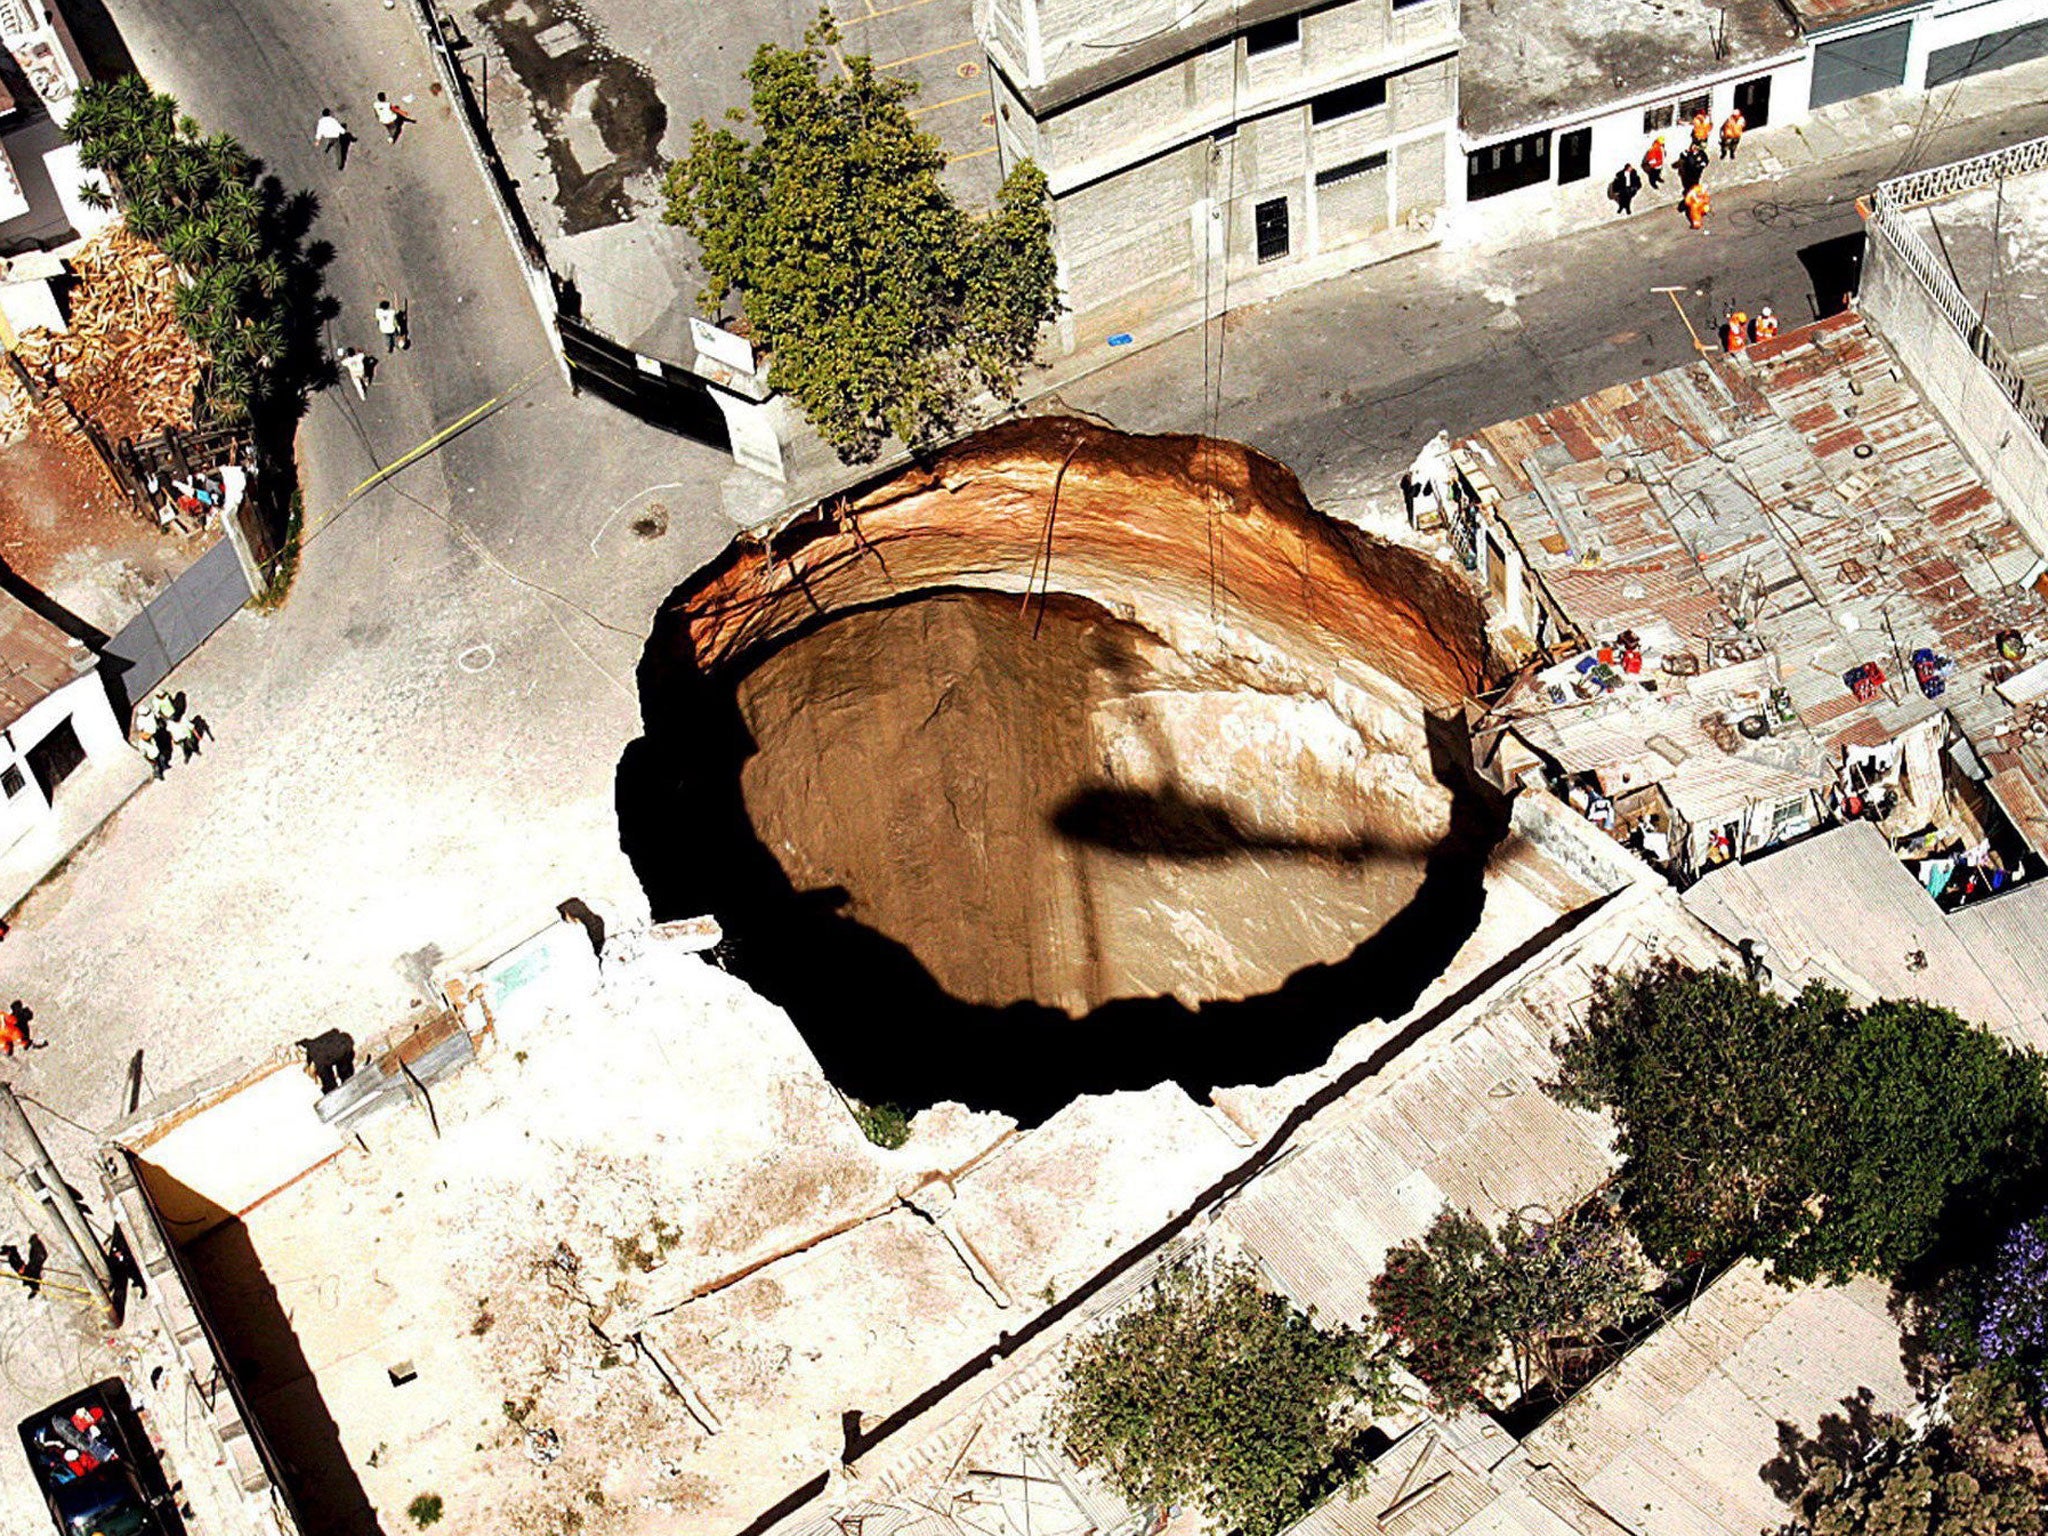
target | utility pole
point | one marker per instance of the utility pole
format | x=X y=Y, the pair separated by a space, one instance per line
x=49 y=1184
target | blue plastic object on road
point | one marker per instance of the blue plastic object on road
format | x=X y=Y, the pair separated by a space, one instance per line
x=1121 y=339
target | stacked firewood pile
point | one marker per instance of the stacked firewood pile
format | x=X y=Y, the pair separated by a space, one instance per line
x=126 y=363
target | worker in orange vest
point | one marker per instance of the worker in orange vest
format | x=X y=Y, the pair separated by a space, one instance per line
x=1731 y=134
x=1702 y=128
x=1653 y=163
x=1735 y=332
x=1696 y=205
x=1766 y=324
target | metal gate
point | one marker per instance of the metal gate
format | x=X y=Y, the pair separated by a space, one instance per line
x=208 y=594
x=658 y=392
x=2013 y=46
x=1856 y=66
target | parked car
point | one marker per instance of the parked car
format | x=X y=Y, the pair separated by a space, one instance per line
x=96 y=1467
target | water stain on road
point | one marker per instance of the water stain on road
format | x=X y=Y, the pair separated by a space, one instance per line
x=597 y=111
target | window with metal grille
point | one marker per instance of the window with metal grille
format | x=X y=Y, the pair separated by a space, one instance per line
x=1502 y=168
x=1694 y=107
x=1349 y=100
x=1349 y=169
x=1269 y=220
x=11 y=781
x=1656 y=119
x=1272 y=36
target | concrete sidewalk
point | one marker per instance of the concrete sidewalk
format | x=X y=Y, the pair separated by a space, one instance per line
x=1917 y=127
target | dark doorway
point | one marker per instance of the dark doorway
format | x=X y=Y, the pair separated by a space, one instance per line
x=1836 y=267
x=1753 y=101
x=1574 y=155
x=1856 y=66
x=1269 y=221
x=53 y=758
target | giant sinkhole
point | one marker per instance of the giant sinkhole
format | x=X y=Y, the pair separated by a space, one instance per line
x=1066 y=762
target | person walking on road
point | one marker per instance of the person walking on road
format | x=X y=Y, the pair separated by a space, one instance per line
x=1766 y=324
x=332 y=135
x=1624 y=187
x=393 y=118
x=1735 y=333
x=391 y=325
x=1731 y=134
x=355 y=366
x=1702 y=129
x=1696 y=204
x=1653 y=163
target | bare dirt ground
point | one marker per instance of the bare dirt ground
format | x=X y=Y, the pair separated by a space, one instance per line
x=68 y=534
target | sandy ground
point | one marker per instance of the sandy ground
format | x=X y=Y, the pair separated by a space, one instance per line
x=607 y=1161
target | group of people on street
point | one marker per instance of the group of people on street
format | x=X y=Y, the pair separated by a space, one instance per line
x=1740 y=329
x=165 y=726
x=334 y=138
x=1691 y=165
x=358 y=365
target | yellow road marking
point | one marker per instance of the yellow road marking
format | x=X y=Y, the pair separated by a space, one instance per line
x=951 y=101
x=919 y=58
x=887 y=10
x=413 y=454
x=972 y=154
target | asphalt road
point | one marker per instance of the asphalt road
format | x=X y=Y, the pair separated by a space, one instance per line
x=1345 y=381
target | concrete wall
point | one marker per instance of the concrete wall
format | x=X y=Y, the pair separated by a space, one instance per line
x=1999 y=443
x=1156 y=182
x=228 y=1152
x=86 y=704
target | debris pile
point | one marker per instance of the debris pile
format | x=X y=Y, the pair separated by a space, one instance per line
x=126 y=363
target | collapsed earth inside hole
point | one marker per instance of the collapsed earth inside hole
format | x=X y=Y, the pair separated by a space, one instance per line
x=1177 y=809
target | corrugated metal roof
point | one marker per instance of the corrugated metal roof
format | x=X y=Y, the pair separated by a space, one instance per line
x=1839 y=907
x=1804 y=497
x=36 y=659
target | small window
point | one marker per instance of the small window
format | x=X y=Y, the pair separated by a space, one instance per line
x=1272 y=36
x=1502 y=168
x=1269 y=220
x=1657 y=119
x=11 y=781
x=1349 y=169
x=1694 y=107
x=1349 y=100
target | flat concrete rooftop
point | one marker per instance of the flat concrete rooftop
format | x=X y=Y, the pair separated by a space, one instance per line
x=1527 y=65
x=1995 y=241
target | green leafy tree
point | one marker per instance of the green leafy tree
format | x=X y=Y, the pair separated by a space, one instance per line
x=1481 y=1317
x=1821 y=1137
x=250 y=302
x=1705 y=1074
x=881 y=302
x=1213 y=1392
x=1891 y=1483
x=1928 y=1120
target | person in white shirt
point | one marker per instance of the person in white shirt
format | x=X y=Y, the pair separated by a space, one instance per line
x=332 y=135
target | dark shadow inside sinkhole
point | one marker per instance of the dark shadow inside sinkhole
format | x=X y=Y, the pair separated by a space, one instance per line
x=885 y=1030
